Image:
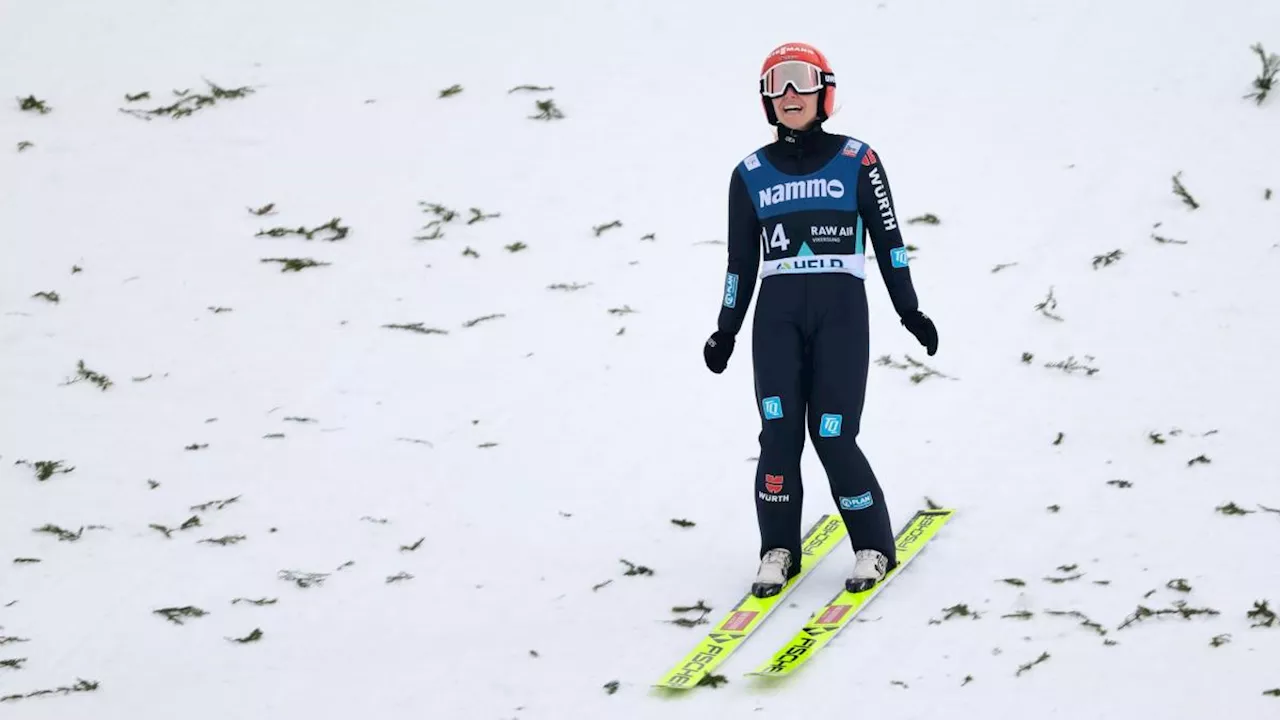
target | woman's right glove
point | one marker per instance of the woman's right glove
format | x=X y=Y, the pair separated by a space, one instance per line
x=717 y=351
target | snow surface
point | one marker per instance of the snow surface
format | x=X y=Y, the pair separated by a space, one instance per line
x=532 y=451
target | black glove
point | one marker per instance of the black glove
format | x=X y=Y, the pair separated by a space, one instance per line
x=717 y=351
x=922 y=327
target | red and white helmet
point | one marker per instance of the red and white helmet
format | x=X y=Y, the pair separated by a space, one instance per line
x=803 y=67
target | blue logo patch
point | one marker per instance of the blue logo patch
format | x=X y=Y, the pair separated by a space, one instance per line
x=772 y=407
x=831 y=425
x=730 y=290
x=899 y=257
x=861 y=502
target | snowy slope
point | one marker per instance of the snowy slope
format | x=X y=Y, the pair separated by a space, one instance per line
x=532 y=450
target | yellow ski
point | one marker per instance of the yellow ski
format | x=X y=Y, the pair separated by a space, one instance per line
x=831 y=619
x=751 y=611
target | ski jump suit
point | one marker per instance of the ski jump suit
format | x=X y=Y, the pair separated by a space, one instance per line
x=808 y=199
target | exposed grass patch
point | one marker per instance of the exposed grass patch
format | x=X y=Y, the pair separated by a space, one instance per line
x=46 y=469
x=254 y=636
x=31 y=104
x=81 y=685
x=225 y=540
x=547 y=110
x=633 y=569
x=189 y=103
x=295 y=264
x=1070 y=365
x=303 y=579
x=484 y=318
x=700 y=607
x=335 y=228
x=215 y=504
x=417 y=328
x=178 y=615
x=1266 y=79
x=922 y=371
x=600 y=229
x=1179 y=608
x=1027 y=668
x=83 y=373
x=1049 y=303
x=1107 y=259
x=1181 y=191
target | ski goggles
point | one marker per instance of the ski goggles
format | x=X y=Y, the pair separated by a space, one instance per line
x=804 y=77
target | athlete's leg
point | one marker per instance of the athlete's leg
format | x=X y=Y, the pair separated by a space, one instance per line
x=777 y=349
x=841 y=359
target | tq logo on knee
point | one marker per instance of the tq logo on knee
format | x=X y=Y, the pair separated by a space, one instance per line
x=772 y=407
x=830 y=424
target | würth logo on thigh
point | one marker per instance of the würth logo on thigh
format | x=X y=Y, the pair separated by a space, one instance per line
x=773 y=483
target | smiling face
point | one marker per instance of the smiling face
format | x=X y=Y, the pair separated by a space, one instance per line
x=794 y=110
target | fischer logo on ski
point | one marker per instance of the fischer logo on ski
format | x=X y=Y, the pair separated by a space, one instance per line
x=750 y=612
x=827 y=622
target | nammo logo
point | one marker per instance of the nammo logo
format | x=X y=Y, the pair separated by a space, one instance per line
x=801 y=190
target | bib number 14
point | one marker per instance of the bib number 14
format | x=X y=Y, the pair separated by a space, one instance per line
x=778 y=241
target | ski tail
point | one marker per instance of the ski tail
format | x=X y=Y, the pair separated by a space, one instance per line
x=827 y=622
x=750 y=612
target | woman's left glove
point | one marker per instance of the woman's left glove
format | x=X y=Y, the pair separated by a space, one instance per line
x=922 y=327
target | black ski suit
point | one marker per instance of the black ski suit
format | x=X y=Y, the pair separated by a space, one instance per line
x=808 y=200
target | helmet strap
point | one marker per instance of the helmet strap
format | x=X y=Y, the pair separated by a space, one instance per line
x=768 y=110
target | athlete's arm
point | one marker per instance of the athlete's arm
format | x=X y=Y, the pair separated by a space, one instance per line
x=875 y=204
x=744 y=257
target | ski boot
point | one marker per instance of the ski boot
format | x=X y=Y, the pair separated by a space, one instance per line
x=868 y=569
x=775 y=570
